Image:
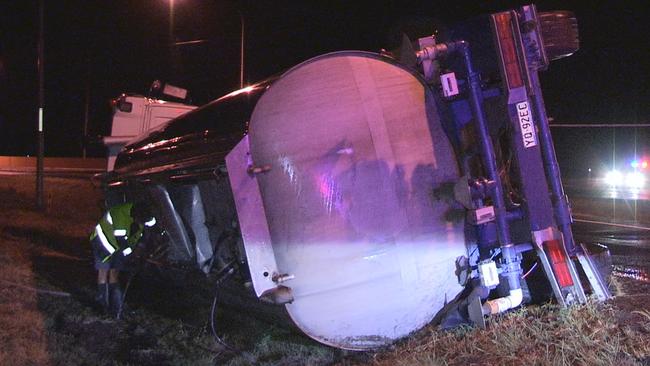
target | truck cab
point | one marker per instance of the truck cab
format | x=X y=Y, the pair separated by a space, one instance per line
x=135 y=114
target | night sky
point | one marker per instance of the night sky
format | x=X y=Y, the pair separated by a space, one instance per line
x=104 y=48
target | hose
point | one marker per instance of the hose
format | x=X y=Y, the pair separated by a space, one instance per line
x=502 y=304
x=145 y=257
x=222 y=276
x=126 y=289
x=529 y=271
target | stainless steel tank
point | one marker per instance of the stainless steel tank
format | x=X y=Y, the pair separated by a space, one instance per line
x=356 y=153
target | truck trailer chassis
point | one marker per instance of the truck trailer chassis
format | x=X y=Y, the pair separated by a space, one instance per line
x=371 y=193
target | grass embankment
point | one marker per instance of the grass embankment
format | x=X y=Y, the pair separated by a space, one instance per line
x=47 y=289
x=591 y=334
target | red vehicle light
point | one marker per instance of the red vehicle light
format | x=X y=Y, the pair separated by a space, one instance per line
x=503 y=26
x=559 y=261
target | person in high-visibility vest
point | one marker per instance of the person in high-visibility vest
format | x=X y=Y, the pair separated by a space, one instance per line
x=113 y=239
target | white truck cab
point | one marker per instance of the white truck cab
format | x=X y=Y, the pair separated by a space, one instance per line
x=135 y=114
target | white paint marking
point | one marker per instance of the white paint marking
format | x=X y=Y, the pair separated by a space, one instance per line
x=612 y=224
x=40 y=119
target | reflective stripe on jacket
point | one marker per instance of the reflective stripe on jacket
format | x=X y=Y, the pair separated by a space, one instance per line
x=114 y=230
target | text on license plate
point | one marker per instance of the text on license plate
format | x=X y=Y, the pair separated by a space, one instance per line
x=528 y=134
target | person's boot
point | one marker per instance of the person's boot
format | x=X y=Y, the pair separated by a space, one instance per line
x=115 y=300
x=103 y=296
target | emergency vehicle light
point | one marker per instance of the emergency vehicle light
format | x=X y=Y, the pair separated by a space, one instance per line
x=643 y=164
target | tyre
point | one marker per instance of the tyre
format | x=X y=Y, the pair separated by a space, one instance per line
x=560 y=33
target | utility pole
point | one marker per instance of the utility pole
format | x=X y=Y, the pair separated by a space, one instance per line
x=41 y=143
x=86 y=108
x=241 y=51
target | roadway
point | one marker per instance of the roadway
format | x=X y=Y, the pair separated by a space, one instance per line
x=619 y=219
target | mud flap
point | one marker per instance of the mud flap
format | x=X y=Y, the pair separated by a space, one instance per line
x=475 y=310
x=596 y=280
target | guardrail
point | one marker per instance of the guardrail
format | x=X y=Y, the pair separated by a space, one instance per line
x=23 y=163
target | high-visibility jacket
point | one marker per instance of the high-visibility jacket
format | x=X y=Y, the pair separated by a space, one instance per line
x=116 y=230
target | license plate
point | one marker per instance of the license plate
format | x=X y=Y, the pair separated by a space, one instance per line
x=528 y=134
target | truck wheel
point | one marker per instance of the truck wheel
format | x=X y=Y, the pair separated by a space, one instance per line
x=560 y=33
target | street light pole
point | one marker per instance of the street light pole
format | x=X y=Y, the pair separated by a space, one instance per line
x=86 y=107
x=171 y=22
x=241 y=51
x=41 y=94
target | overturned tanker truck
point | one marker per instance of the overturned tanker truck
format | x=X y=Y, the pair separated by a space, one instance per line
x=370 y=194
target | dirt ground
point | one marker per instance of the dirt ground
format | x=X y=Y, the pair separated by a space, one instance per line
x=47 y=290
x=48 y=317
